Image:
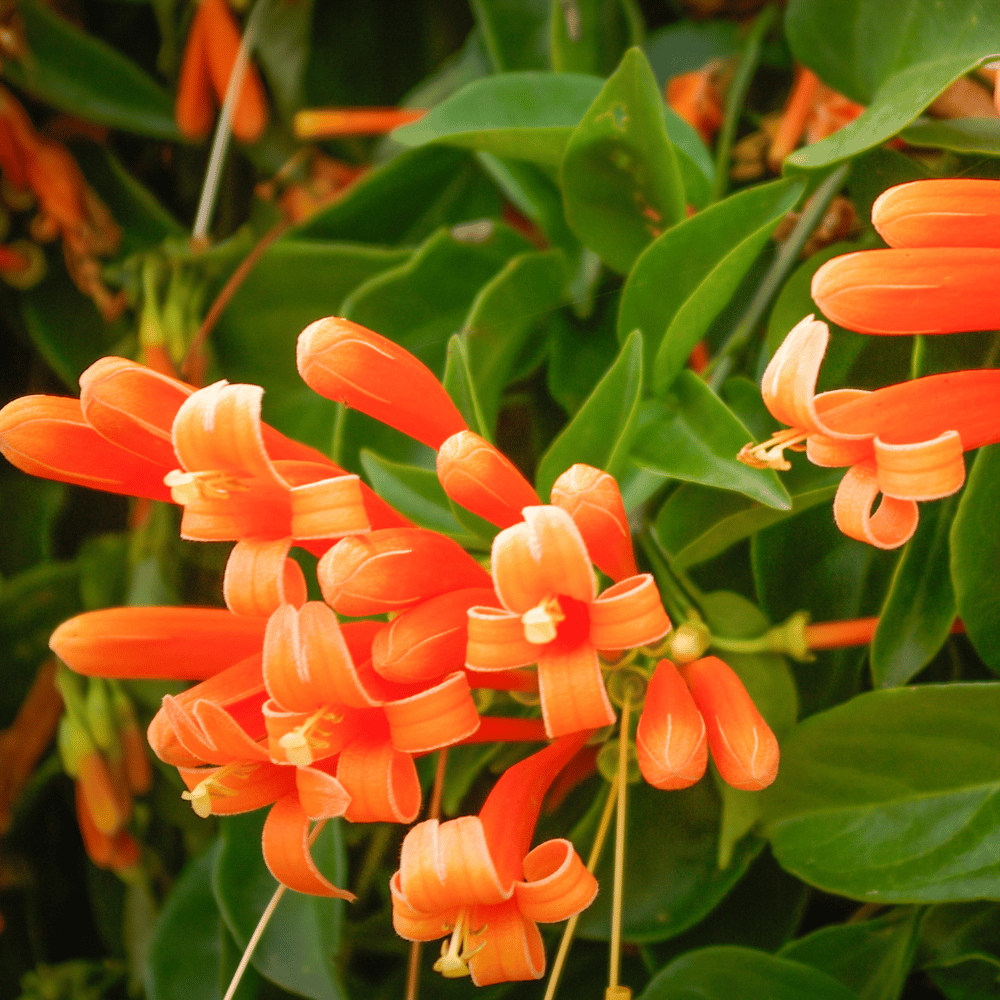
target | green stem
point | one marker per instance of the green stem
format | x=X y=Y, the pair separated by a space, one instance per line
x=737 y=96
x=817 y=205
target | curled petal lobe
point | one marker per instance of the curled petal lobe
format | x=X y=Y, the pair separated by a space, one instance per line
x=496 y=640
x=671 y=736
x=592 y=498
x=556 y=883
x=302 y=738
x=260 y=578
x=328 y=508
x=321 y=795
x=285 y=842
x=572 y=691
x=945 y=212
x=438 y=717
x=236 y=788
x=365 y=371
x=743 y=747
x=230 y=511
x=482 y=479
x=391 y=569
x=510 y=947
x=411 y=924
x=628 y=614
x=925 y=470
x=222 y=730
x=890 y=526
x=381 y=781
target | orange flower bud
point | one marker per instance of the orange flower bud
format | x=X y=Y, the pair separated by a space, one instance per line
x=923 y=290
x=695 y=97
x=743 y=747
x=393 y=568
x=483 y=480
x=335 y=123
x=361 y=369
x=104 y=801
x=951 y=212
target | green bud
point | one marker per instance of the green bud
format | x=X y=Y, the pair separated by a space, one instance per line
x=607 y=762
x=74 y=743
x=689 y=642
x=101 y=717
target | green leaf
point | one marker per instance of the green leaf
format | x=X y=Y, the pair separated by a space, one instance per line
x=405 y=199
x=416 y=494
x=30 y=507
x=620 y=179
x=692 y=435
x=920 y=605
x=975 y=554
x=523 y=115
x=515 y=33
x=706 y=257
x=78 y=73
x=602 y=31
x=459 y=384
x=282 y=51
x=698 y=522
x=725 y=971
x=895 y=66
x=892 y=797
x=960 y=932
x=579 y=355
x=693 y=159
x=872 y=957
x=966 y=136
x=601 y=432
x=298 y=949
x=688 y=45
x=294 y=284
x=505 y=313
x=672 y=880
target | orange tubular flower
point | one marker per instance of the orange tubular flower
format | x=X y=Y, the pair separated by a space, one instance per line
x=951 y=212
x=474 y=877
x=905 y=441
x=695 y=97
x=336 y=123
x=352 y=365
x=553 y=616
x=209 y=55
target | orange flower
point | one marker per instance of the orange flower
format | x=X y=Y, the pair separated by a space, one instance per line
x=118 y=851
x=475 y=878
x=209 y=55
x=704 y=699
x=905 y=441
x=553 y=616
x=951 y=212
x=336 y=123
x=695 y=97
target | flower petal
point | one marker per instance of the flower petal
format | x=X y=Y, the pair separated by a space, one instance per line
x=438 y=717
x=671 y=736
x=222 y=730
x=322 y=796
x=260 y=578
x=497 y=642
x=328 y=508
x=890 y=526
x=592 y=498
x=381 y=781
x=328 y=734
x=482 y=479
x=945 y=212
x=285 y=843
x=572 y=691
x=253 y=509
x=628 y=614
x=510 y=947
x=556 y=883
x=412 y=925
x=241 y=787
x=925 y=470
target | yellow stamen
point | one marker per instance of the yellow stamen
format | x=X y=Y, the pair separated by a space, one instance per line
x=189 y=487
x=769 y=454
x=201 y=795
x=300 y=742
x=540 y=623
x=455 y=955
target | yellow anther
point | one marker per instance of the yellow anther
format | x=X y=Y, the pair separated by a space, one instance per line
x=200 y=799
x=541 y=622
x=769 y=454
x=299 y=743
x=201 y=795
x=455 y=954
x=189 y=487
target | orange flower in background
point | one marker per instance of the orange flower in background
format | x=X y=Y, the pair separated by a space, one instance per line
x=950 y=212
x=209 y=55
x=697 y=98
x=476 y=878
x=338 y=123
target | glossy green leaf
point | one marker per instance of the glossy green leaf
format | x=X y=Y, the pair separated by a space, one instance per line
x=405 y=199
x=689 y=45
x=458 y=381
x=952 y=933
x=295 y=283
x=298 y=949
x=975 y=554
x=724 y=972
x=601 y=433
x=524 y=115
x=601 y=32
x=505 y=313
x=892 y=796
x=579 y=355
x=620 y=179
x=920 y=605
x=894 y=66
x=672 y=879
x=515 y=33
x=416 y=494
x=873 y=172
x=967 y=136
x=872 y=957
x=692 y=435
x=705 y=258
x=78 y=73
x=693 y=159
x=698 y=522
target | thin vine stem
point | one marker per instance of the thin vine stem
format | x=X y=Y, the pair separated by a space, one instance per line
x=618 y=884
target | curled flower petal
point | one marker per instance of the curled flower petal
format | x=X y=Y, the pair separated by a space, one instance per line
x=381 y=781
x=260 y=578
x=321 y=795
x=671 y=736
x=890 y=526
x=496 y=640
x=939 y=212
x=365 y=371
x=328 y=508
x=743 y=747
x=236 y=788
x=437 y=717
x=411 y=924
x=592 y=498
x=628 y=614
x=572 y=691
x=391 y=569
x=320 y=735
x=285 y=843
x=924 y=470
x=510 y=947
x=556 y=885
x=482 y=479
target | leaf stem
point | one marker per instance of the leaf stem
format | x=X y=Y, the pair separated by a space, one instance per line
x=736 y=97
